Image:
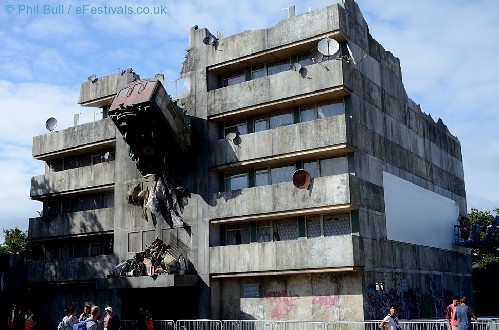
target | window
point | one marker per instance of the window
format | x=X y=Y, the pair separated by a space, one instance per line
x=262 y=177
x=337 y=225
x=70 y=163
x=84 y=160
x=307 y=113
x=55 y=165
x=305 y=60
x=261 y=124
x=238 y=234
x=258 y=72
x=286 y=230
x=278 y=66
x=234 y=78
x=95 y=249
x=236 y=127
x=313 y=227
x=235 y=181
x=312 y=168
x=263 y=232
x=330 y=109
x=282 y=174
x=281 y=119
x=333 y=166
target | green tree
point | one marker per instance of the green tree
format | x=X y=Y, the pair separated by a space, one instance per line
x=485 y=257
x=16 y=241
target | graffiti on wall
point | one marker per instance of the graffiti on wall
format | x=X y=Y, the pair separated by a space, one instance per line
x=412 y=302
x=333 y=304
x=281 y=302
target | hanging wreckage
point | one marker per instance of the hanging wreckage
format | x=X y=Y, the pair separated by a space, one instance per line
x=158 y=133
x=155 y=128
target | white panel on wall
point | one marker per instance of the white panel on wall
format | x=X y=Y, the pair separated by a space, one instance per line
x=417 y=215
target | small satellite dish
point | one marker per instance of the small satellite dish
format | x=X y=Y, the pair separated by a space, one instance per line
x=231 y=136
x=92 y=78
x=328 y=46
x=316 y=56
x=106 y=156
x=296 y=66
x=301 y=179
x=210 y=40
x=51 y=124
x=303 y=72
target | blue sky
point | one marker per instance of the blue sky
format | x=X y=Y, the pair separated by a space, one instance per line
x=447 y=51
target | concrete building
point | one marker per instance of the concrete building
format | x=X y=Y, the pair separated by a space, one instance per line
x=373 y=226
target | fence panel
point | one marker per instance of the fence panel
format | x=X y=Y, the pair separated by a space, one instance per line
x=300 y=325
x=247 y=325
x=164 y=325
x=199 y=325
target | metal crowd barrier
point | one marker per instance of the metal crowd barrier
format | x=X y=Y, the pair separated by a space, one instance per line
x=300 y=325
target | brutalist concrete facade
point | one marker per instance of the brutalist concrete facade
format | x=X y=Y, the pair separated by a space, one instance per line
x=261 y=248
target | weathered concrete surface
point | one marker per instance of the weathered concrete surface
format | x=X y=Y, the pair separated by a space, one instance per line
x=75 y=223
x=77 y=269
x=97 y=93
x=78 y=137
x=142 y=282
x=80 y=178
x=284 y=255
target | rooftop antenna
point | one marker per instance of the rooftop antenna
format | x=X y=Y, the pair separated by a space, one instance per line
x=92 y=78
x=290 y=10
x=51 y=124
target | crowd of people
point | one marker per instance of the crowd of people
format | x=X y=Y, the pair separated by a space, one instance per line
x=90 y=317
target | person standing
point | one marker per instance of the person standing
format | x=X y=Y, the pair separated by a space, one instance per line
x=111 y=320
x=94 y=318
x=464 y=314
x=69 y=318
x=391 y=321
x=450 y=313
x=86 y=313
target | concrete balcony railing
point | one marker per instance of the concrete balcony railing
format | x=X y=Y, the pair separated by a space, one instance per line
x=76 y=223
x=72 y=180
x=77 y=269
x=325 y=135
x=323 y=78
x=315 y=253
x=283 y=197
x=73 y=137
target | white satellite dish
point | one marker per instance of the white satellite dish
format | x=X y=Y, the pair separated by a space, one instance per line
x=51 y=124
x=106 y=156
x=296 y=66
x=328 y=47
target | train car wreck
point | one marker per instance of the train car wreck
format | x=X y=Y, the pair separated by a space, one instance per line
x=152 y=124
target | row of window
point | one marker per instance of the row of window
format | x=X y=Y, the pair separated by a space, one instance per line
x=79 y=203
x=75 y=161
x=284 y=173
x=285 y=117
x=266 y=69
x=73 y=248
x=289 y=229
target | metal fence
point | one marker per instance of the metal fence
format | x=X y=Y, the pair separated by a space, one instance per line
x=300 y=325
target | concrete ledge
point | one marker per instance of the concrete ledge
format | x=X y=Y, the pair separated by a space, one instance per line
x=142 y=282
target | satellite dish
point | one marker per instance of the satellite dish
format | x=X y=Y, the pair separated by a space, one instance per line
x=106 y=156
x=328 y=46
x=316 y=56
x=303 y=72
x=301 y=179
x=296 y=66
x=210 y=40
x=51 y=124
x=231 y=136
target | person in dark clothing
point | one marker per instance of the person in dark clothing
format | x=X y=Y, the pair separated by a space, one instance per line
x=113 y=321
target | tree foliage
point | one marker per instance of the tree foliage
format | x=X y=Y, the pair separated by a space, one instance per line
x=485 y=257
x=16 y=241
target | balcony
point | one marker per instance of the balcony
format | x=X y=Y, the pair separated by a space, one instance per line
x=78 y=269
x=76 y=223
x=279 y=90
x=325 y=137
x=323 y=192
x=76 y=179
x=315 y=253
x=85 y=135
